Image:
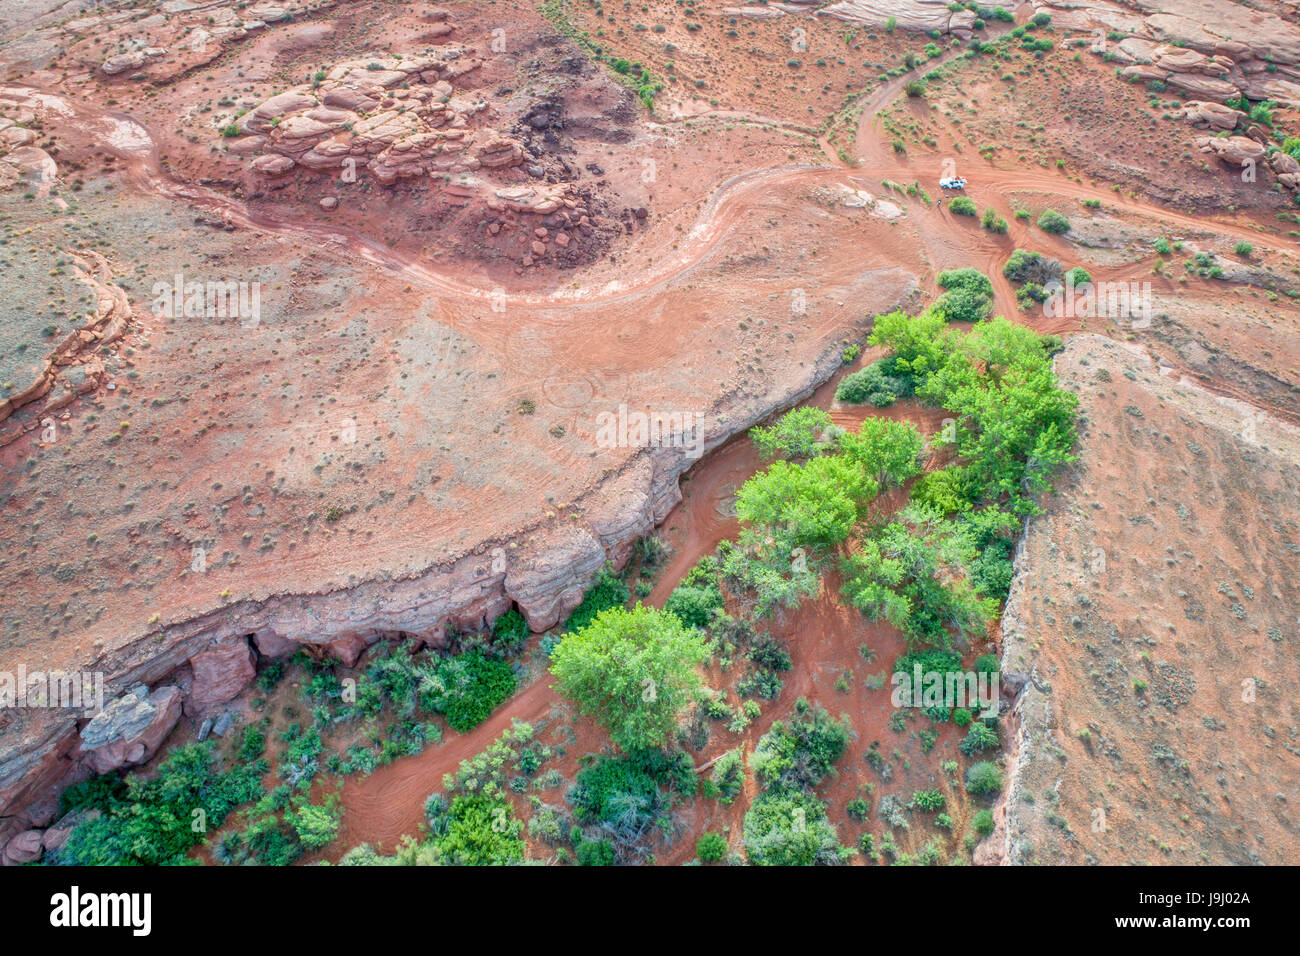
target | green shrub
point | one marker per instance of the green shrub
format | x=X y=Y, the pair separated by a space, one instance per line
x=800 y=752
x=694 y=606
x=983 y=779
x=872 y=384
x=729 y=776
x=510 y=630
x=1053 y=222
x=316 y=824
x=467 y=688
x=479 y=831
x=967 y=297
x=993 y=222
x=789 y=828
x=930 y=801
x=1024 y=266
x=978 y=739
x=983 y=822
x=594 y=853
x=711 y=848
x=151 y=822
x=607 y=591
x=963 y=206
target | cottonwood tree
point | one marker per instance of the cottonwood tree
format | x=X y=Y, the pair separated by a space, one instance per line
x=634 y=671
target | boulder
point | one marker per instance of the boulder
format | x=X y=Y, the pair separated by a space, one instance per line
x=220 y=673
x=348 y=649
x=1203 y=87
x=259 y=120
x=130 y=729
x=270 y=644
x=57 y=835
x=1213 y=115
x=26 y=847
x=1233 y=150
x=272 y=165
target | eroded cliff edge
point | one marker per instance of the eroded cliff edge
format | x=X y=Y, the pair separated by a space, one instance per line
x=1150 y=635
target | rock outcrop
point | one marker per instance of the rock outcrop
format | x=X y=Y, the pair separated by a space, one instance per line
x=71 y=368
x=920 y=16
x=221 y=671
x=1233 y=150
x=394 y=118
x=1134 y=650
x=1214 y=115
x=130 y=729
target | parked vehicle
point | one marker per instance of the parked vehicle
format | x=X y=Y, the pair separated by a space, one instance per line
x=952 y=182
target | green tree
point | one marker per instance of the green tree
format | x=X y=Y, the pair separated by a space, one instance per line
x=910 y=574
x=820 y=500
x=888 y=451
x=920 y=343
x=795 y=434
x=316 y=824
x=633 y=671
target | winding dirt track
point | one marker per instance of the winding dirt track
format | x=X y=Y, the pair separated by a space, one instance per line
x=945 y=237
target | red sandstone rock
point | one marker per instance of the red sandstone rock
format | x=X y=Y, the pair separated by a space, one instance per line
x=220 y=673
x=26 y=847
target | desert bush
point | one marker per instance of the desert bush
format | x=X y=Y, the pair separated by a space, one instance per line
x=607 y=591
x=983 y=779
x=872 y=384
x=466 y=688
x=963 y=206
x=967 y=296
x=799 y=753
x=711 y=848
x=789 y=828
x=510 y=630
x=978 y=739
x=728 y=775
x=1024 y=266
x=1053 y=222
x=993 y=222
x=150 y=822
x=931 y=801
